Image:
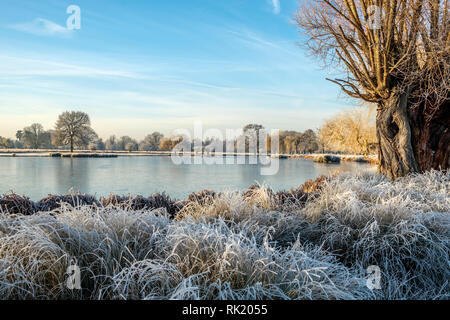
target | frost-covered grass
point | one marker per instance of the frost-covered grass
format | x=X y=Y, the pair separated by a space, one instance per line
x=241 y=245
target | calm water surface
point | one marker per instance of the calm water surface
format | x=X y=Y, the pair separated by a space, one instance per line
x=38 y=177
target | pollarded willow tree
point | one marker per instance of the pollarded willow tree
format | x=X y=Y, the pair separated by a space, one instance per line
x=394 y=54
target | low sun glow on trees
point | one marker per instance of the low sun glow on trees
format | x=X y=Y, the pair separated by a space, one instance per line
x=351 y=131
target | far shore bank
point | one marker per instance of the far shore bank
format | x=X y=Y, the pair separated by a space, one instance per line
x=317 y=157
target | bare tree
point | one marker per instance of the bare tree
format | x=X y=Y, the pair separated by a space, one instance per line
x=97 y=144
x=131 y=146
x=151 y=142
x=395 y=54
x=309 y=141
x=165 y=144
x=111 y=143
x=73 y=128
x=6 y=143
x=35 y=137
x=251 y=134
x=296 y=142
x=125 y=141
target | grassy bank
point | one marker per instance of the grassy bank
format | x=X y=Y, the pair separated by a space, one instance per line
x=314 y=242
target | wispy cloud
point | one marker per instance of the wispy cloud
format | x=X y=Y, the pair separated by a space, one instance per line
x=16 y=66
x=255 y=40
x=42 y=27
x=251 y=38
x=276 y=6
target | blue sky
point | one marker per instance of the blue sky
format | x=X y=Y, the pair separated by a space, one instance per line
x=140 y=66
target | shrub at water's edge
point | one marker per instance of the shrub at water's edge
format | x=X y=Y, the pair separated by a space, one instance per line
x=314 y=242
x=326 y=158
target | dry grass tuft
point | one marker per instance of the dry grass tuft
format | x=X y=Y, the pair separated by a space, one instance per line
x=156 y=201
x=202 y=197
x=15 y=204
x=53 y=202
x=312 y=186
x=294 y=197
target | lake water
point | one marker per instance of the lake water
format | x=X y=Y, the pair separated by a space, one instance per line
x=37 y=177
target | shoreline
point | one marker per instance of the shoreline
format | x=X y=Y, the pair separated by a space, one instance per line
x=52 y=153
x=14 y=203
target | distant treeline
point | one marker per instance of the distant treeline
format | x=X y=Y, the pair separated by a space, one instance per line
x=35 y=137
x=348 y=132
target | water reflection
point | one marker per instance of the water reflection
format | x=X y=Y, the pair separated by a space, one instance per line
x=37 y=177
x=71 y=173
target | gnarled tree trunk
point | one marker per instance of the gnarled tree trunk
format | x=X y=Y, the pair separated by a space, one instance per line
x=410 y=143
x=431 y=138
